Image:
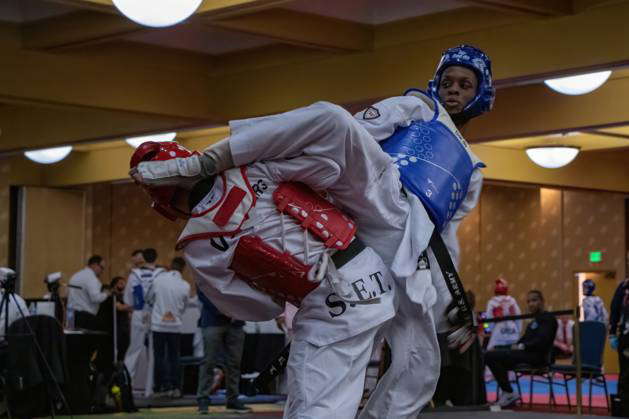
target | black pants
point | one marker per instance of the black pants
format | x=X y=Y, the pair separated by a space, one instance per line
x=102 y=344
x=623 y=362
x=501 y=361
x=85 y=320
x=166 y=347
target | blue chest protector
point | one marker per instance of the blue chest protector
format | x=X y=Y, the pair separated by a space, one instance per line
x=433 y=165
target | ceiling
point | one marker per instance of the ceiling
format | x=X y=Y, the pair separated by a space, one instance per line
x=77 y=72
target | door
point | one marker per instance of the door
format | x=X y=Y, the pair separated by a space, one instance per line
x=605 y=286
x=52 y=236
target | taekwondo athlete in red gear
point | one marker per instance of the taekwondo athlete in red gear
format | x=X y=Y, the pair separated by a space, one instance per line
x=323 y=130
x=500 y=305
x=255 y=241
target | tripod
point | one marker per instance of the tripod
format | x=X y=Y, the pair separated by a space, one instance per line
x=9 y=291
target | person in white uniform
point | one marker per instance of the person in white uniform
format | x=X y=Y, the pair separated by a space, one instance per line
x=167 y=297
x=397 y=227
x=139 y=282
x=254 y=241
x=500 y=305
x=593 y=306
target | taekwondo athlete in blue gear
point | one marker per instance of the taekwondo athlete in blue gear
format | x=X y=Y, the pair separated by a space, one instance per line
x=420 y=131
x=139 y=282
x=593 y=306
x=434 y=161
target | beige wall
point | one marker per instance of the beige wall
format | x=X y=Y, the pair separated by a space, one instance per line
x=515 y=231
x=538 y=238
x=123 y=221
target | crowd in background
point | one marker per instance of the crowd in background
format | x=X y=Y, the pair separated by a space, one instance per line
x=144 y=311
x=148 y=318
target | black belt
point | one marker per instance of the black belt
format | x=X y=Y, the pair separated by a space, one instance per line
x=451 y=276
x=341 y=257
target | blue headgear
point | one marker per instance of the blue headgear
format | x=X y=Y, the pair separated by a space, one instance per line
x=477 y=61
x=588 y=287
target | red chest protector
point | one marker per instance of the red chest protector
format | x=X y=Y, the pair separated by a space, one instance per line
x=281 y=274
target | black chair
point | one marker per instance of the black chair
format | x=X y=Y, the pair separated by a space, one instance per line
x=532 y=371
x=593 y=337
x=33 y=383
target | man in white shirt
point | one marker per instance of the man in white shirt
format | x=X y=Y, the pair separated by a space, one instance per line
x=168 y=297
x=85 y=294
x=16 y=303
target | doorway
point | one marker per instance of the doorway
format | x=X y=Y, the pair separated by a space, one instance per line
x=605 y=287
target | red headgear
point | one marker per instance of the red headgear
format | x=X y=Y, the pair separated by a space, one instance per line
x=162 y=195
x=502 y=286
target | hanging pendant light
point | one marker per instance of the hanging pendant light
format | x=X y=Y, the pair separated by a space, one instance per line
x=552 y=157
x=579 y=84
x=157 y=13
x=49 y=155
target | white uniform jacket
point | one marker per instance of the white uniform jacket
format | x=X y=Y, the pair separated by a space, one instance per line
x=594 y=309
x=503 y=333
x=168 y=297
x=323 y=317
x=139 y=282
x=381 y=120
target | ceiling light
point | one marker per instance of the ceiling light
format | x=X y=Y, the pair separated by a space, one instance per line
x=157 y=13
x=136 y=141
x=552 y=157
x=579 y=84
x=49 y=155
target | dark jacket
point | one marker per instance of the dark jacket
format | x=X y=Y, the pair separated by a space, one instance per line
x=540 y=334
x=619 y=307
x=210 y=316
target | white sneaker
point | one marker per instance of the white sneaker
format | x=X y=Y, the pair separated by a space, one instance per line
x=507 y=399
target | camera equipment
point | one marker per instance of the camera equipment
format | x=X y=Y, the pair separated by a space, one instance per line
x=52 y=282
x=8 y=279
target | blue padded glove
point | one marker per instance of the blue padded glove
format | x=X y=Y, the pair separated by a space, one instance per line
x=613 y=342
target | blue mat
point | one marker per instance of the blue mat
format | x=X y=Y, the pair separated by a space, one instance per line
x=612 y=385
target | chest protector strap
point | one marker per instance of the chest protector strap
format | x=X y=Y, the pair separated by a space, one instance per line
x=276 y=273
x=315 y=214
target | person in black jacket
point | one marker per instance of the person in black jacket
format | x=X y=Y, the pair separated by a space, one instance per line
x=619 y=335
x=533 y=348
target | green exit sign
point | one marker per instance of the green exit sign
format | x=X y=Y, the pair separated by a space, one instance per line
x=596 y=257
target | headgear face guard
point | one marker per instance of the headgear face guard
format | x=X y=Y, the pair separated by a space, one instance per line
x=476 y=60
x=163 y=195
x=502 y=287
x=588 y=287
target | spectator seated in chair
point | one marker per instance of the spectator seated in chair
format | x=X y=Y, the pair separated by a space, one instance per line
x=563 y=347
x=532 y=348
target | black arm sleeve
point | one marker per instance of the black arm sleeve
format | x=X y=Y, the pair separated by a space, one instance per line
x=616 y=308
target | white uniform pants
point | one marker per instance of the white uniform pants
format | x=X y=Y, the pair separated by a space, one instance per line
x=326 y=382
x=411 y=380
x=140 y=328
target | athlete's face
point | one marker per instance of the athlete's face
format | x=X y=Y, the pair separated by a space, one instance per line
x=457 y=88
x=534 y=302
